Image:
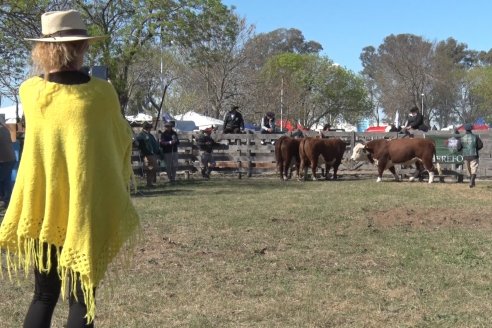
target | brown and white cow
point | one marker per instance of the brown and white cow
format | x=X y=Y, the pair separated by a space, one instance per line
x=286 y=155
x=384 y=153
x=330 y=150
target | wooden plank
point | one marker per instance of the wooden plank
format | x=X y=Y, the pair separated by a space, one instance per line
x=227 y=164
x=264 y=165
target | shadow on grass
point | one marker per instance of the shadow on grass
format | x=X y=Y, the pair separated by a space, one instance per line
x=159 y=192
x=167 y=188
x=227 y=185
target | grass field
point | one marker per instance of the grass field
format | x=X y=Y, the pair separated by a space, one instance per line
x=266 y=253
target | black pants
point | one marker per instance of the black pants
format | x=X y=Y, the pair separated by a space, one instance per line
x=46 y=292
x=232 y=130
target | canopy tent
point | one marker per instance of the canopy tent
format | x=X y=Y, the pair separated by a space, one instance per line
x=140 y=118
x=476 y=126
x=201 y=121
x=10 y=113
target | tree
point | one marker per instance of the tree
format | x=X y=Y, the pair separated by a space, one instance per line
x=369 y=59
x=480 y=93
x=216 y=58
x=19 y=19
x=449 y=69
x=401 y=69
x=316 y=89
x=255 y=95
x=405 y=63
x=266 y=45
x=133 y=27
x=137 y=26
x=406 y=66
x=12 y=71
x=151 y=79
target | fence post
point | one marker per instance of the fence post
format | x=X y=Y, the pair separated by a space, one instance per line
x=239 y=169
x=250 y=163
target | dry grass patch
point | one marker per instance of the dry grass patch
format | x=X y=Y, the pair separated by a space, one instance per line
x=265 y=253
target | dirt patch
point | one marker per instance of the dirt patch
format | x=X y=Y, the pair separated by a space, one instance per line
x=428 y=218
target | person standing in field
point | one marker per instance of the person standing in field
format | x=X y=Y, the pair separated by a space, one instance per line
x=169 y=145
x=149 y=150
x=205 y=143
x=470 y=146
x=70 y=212
x=7 y=163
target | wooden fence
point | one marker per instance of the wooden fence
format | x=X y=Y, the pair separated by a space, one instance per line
x=254 y=154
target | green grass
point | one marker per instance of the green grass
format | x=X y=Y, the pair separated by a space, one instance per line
x=266 y=253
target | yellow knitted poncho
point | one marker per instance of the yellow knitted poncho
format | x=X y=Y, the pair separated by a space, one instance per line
x=72 y=184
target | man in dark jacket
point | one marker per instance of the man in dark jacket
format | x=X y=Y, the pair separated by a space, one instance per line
x=415 y=121
x=470 y=145
x=268 y=123
x=169 y=145
x=205 y=144
x=149 y=150
x=233 y=121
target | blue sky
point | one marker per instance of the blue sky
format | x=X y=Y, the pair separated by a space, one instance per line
x=345 y=27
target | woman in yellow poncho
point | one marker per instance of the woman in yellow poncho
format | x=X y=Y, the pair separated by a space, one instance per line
x=70 y=211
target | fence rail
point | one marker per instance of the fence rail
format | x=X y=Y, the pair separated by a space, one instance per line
x=254 y=154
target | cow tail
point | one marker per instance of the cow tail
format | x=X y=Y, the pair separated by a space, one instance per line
x=278 y=154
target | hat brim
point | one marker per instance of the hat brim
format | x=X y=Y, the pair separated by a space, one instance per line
x=68 y=38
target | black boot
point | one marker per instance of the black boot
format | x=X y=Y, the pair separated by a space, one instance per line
x=472 y=180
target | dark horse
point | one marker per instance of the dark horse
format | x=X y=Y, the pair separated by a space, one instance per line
x=286 y=154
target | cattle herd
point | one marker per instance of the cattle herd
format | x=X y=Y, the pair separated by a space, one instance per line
x=384 y=153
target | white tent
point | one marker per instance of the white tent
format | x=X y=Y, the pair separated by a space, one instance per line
x=201 y=121
x=139 y=118
x=9 y=113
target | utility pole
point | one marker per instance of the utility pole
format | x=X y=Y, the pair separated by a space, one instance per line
x=282 y=105
x=422 y=104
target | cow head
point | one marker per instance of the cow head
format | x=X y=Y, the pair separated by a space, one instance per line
x=360 y=153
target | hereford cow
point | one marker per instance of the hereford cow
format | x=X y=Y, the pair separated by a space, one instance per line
x=330 y=150
x=286 y=155
x=385 y=153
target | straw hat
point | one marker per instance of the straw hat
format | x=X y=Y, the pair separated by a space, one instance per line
x=63 y=26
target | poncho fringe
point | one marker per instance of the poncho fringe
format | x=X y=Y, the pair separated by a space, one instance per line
x=29 y=255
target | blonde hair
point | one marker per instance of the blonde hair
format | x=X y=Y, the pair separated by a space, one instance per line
x=47 y=56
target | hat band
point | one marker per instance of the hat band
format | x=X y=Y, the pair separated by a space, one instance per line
x=64 y=33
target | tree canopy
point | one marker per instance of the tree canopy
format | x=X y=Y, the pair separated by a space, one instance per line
x=445 y=77
x=180 y=55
